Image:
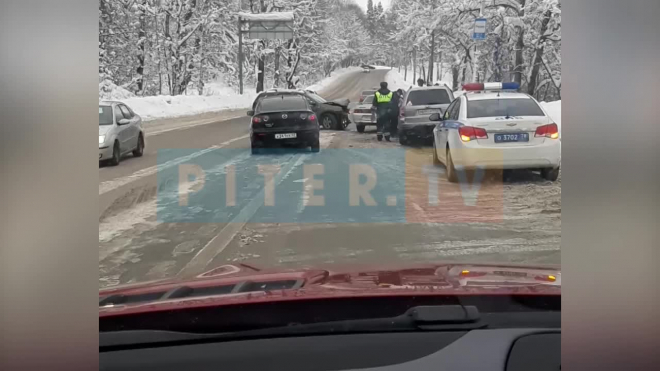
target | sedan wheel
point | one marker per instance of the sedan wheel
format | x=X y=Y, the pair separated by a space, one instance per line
x=139 y=150
x=328 y=122
x=116 y=155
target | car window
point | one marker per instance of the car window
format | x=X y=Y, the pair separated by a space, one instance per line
x=316 y=98
x=369 y=99
x=125 y=111
x=368 y=92
x=105 y=115
x=503 y=108
x=283 y=103
x=447 y=114
x=118 y=114
x=263 y=96
x=456 y=111
x=428 y=97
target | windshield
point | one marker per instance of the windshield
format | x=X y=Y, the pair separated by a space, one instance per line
x=105 y=115
x=428 y=97
x=282 y=103
x=503 y=108
x=209 y=181
x=316 y=98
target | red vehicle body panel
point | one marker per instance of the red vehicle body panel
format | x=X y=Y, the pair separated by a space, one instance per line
x=428 y=279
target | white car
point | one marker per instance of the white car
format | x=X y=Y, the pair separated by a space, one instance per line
x=491 y=127
x=363 y=114
x=120 y=132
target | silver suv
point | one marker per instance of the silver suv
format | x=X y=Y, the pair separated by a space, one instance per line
x=418 y=104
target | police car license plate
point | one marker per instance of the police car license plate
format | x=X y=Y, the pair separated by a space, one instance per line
x=286 y=136
x=512 y=137
x=427 y=111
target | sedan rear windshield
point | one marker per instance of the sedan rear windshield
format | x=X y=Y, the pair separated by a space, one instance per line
x=283 y=103
x=503 y=108
x=428 y=97
x=368 y=92
x=105 y=115
x=369 y=99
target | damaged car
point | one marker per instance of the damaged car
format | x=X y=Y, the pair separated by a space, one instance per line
x=332 y=115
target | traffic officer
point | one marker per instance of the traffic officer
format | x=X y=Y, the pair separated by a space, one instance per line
x=382 y=103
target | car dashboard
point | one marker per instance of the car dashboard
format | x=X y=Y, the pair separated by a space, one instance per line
x=511 y=349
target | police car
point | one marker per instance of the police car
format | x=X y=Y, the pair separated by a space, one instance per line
x=493 y=126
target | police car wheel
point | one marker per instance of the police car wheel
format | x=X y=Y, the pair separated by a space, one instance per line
x=436 y=160
x=451 y=170
x=550 y=174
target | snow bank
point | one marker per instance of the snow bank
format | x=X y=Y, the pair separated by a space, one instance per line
x=395 y=80
x=110 y=91
x=332 y=78
x=164 y=106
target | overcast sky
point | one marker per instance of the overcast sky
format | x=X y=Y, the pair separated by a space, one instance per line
x=363 y=3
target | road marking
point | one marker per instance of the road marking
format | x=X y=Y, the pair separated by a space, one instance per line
x=110 y=185
x=211 y=121
x=220 y=242
x=227 y=234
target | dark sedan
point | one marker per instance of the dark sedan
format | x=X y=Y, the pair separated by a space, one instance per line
x=331 y=114
x=284 y=120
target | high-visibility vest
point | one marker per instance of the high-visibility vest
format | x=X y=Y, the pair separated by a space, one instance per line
x=383 y=98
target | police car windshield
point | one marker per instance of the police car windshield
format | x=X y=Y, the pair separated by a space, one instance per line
x=428 y=97
x=282 y=103
x=503 y=108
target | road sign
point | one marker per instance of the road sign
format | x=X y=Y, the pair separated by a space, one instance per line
x=479 y=32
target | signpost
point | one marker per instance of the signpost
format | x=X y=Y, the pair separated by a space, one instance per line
x=264 y=26
x=478 y=34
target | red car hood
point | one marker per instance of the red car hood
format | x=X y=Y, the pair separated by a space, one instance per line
x=242 y=284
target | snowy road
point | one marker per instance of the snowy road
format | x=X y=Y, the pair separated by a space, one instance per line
x=145 y=233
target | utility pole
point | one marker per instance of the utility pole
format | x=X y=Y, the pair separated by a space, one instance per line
x=240 y=56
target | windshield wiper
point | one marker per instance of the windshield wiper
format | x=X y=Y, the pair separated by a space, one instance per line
x=421 y=318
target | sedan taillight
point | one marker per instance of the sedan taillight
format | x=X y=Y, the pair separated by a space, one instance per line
x=549 y=131
x=468 y=133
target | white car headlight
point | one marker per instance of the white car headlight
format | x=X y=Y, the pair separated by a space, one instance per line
x=101 y=139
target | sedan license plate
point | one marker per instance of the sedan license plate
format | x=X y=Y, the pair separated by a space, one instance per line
x=427 y=111
x=286 y=136
x=511 y=137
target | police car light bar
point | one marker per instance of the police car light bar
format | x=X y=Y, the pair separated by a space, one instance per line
x=491 y=86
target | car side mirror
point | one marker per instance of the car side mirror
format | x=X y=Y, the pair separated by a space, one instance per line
x=123 y=121
x=435 y=117
x=250 y=113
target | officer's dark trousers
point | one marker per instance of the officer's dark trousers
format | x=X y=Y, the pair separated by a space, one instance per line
x=383 y=125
